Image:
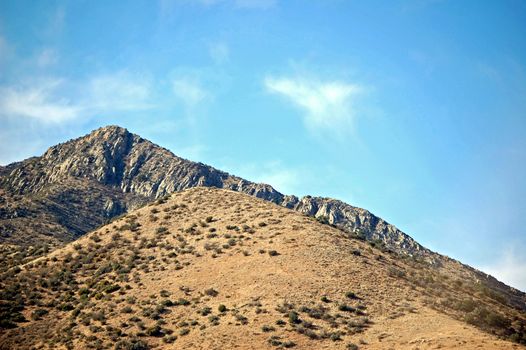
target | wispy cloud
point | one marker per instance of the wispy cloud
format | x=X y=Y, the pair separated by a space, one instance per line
x=510 y=269
x=39 y=102
x=55 y=100
x=326 y=104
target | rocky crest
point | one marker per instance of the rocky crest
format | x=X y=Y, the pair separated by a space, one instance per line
x=111 y=171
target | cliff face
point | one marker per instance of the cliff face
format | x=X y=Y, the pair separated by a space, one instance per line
x=78 y=185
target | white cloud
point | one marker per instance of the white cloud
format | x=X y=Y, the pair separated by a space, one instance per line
x=55 y=100
x=326 y=104
x=219 y=52
x=47 y=57
x=189 y=90
x=37 y=102
x=510 y=269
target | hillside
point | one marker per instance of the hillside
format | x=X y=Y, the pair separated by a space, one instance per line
x=214 y=269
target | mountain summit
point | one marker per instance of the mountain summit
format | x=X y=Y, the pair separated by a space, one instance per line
x=78 y=185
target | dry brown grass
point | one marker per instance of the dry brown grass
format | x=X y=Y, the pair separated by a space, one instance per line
x=215 y=269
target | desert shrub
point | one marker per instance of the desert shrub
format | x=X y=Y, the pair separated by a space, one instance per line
x=394 y=272
x=38 y=313
x=346 y=308
x=211 y=292
x=308 y=332
x=323 y=220
x=351 y=295
x=325 y=299
x=205 y=311
x=273 y=253
x=288 y=344
x=182 y=301
x=268 y=329
x=241 y=319
x=133 y=344
x=127 y=310
x=294 y=317
x=155 y=331
x=466 y=305
x=161 y=229
x=184 y=331
x=483 y=317
x=169 y=339
x=221 y=308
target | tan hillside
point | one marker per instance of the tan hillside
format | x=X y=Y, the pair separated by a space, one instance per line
x=216 y=269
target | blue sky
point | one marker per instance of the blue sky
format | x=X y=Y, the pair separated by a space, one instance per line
x=415 y=110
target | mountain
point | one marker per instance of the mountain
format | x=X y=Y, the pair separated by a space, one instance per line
x=78 y=185
x=209 y=268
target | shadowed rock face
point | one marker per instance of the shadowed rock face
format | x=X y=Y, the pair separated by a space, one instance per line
x=111 y=171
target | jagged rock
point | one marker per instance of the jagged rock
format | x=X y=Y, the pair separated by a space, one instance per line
x=83 y=182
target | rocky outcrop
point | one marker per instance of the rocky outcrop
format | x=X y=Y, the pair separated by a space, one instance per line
x=80 y=184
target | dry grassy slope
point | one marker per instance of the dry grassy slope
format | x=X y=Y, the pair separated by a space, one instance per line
x=264 y=263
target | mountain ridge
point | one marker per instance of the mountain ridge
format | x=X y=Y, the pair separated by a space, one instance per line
x=79 y=185
x=113 y=156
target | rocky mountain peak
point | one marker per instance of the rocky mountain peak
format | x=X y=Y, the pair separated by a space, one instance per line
x=133 y=171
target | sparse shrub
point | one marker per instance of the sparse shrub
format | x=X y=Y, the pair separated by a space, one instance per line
x=288 y=344
x=241 y=319
x=268 y=329
x=127 y=310
x=155 y=331
x=211 y=292
x=351 y=295
x=281 y=322
x=273 y=253
x=38 y=313
x=206 y=311
x=346 y=308
x=168 y=339
x=182 y=301
x=294 y=317
x=221 y=308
